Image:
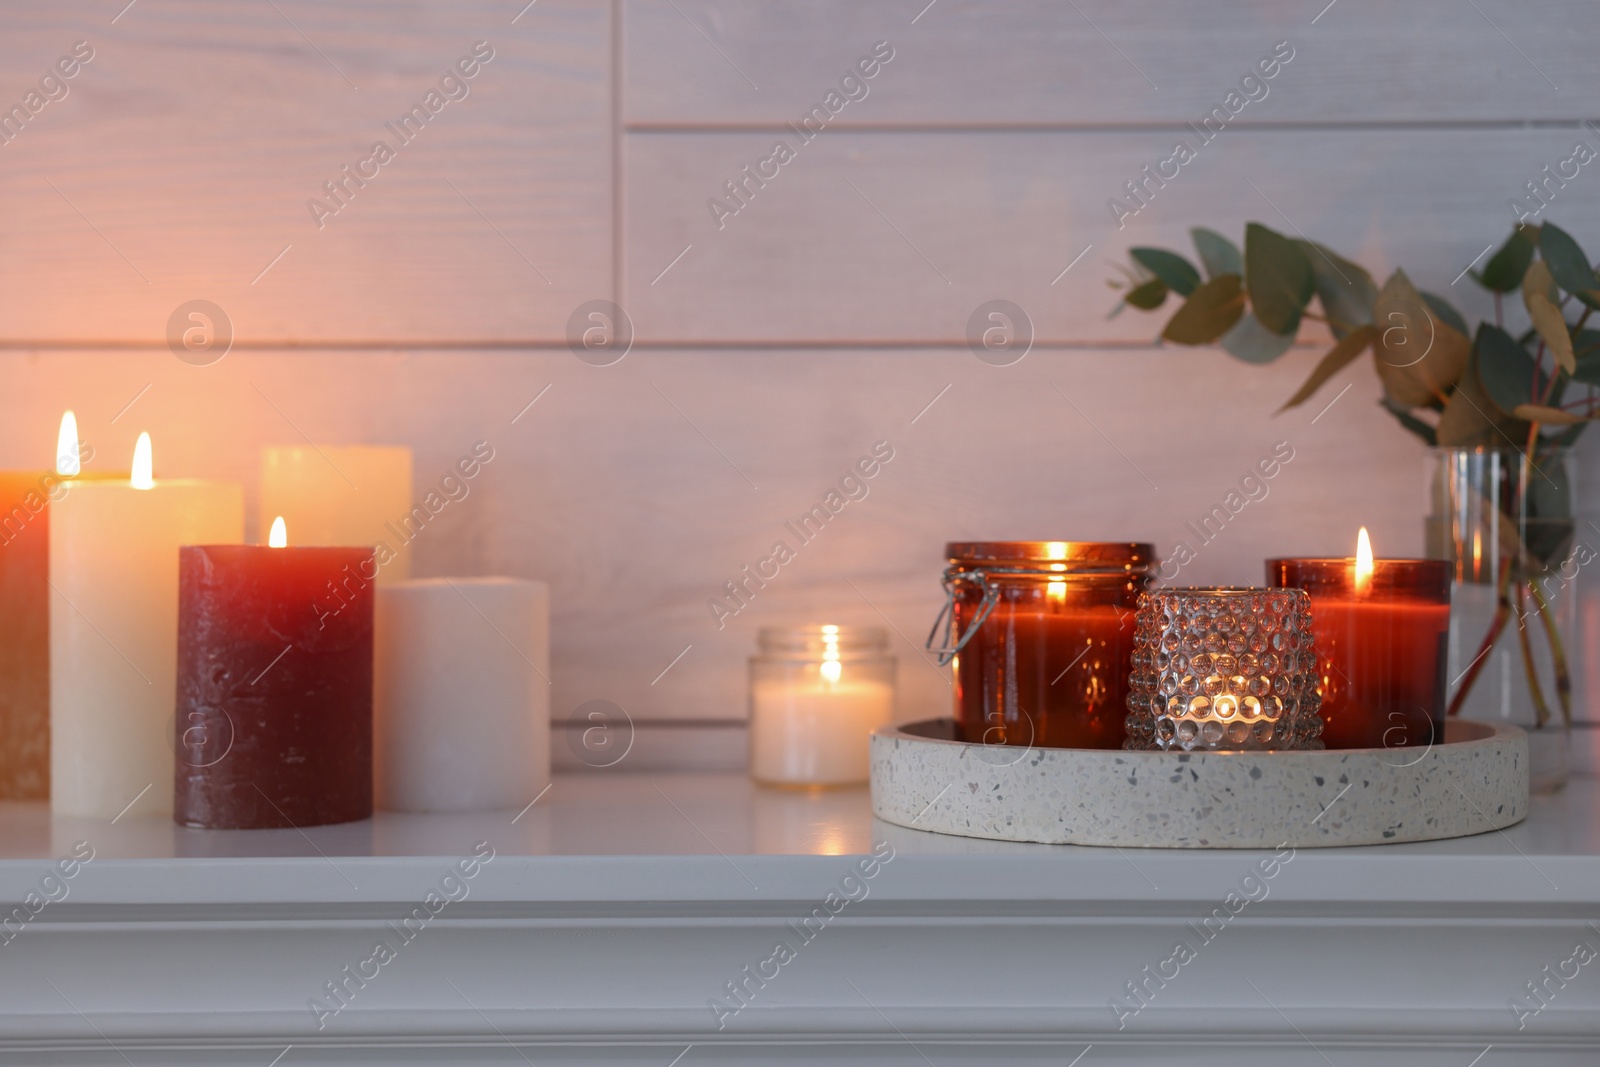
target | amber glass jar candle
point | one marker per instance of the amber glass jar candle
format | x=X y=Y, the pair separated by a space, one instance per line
x=1041 y=637
x=1381 y=627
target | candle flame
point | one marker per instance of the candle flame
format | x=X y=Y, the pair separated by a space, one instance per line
x=279 y=537
x=67 y=463
x=1363 y=561
x=1056 y=592
x=144 y=466
x=830 y=667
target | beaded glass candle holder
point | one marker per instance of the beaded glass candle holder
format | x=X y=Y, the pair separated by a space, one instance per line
x=1223 y=670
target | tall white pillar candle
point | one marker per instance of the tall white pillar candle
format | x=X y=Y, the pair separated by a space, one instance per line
x=461 y=693
x=114 y=633
x=358 y=495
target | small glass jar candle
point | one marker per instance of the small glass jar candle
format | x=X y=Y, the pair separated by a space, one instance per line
x=1041 y=634
x=816 y=694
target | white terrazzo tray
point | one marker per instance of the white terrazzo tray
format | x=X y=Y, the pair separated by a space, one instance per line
x=1476 y=780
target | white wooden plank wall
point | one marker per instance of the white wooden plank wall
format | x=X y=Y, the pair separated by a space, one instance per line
x=824 y=316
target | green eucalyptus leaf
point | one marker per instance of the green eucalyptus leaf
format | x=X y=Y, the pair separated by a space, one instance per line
x=1337 y=358
x=1547 y=415
x=1429 y=435
x=1217 y=254
x=1345 y=289
x=1550 y=492
x=1553 y=330
x=1419 y=357
x=1148 y=296
x=1586 y=353
x=1444 y=312
x=1505 y=268
x=1211 y=309
x=1470 y=418
x=1254 y=343
x=1279 y=279
x=1177 y=272
x=1568 y=265
x=1538 y=279
x=1504 y=368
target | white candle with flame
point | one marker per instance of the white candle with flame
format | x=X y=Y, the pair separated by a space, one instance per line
x=811 y=726
x=114 y=632
x=25 y=502
x=69 y=464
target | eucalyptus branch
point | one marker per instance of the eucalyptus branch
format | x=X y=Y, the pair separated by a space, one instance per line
x=1541 y=710
x=1555 y=372
x=1502 y=613
x=1558 y=652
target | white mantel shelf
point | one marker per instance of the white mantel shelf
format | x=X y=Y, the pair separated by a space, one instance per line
x=618 y=905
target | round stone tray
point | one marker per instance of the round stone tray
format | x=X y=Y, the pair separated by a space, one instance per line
x=1476 y=780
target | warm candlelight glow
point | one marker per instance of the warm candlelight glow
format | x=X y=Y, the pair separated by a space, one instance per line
x=1363 y=561
x=143 y=476
x=279 y=537
x=67 y=464
x=830 y=667
x=1056 y=592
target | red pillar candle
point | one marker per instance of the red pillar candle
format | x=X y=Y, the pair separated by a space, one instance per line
x=1381 y=641
x=274 y=717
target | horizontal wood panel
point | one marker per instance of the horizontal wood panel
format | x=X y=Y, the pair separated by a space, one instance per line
x=900 y=236
x=1097 y=63
x=625 y=487
x=180 y=162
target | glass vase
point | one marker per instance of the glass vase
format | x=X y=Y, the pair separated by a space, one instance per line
x=1505 y=520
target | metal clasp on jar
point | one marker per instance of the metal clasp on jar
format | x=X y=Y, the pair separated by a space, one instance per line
x=954 y=578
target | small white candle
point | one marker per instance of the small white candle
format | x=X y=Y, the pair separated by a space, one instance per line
x=357 y=495
x=114 y=632
x=813 y=730
x=461 y=693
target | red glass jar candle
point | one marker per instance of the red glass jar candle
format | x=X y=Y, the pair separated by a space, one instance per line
x=1381 y=647
x=1041 y=637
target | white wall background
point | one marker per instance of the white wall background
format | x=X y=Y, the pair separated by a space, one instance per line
x=771 y=353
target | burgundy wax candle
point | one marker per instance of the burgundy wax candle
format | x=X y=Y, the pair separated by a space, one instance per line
x=274 y=715
x=1381 y=647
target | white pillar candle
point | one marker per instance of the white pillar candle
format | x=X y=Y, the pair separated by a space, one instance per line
x=359 y=495
x=461 y=693
x=811 y=730
x=114 y=633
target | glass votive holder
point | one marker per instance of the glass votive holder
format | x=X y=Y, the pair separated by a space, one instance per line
x=1223 y=670
x=816 y=694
